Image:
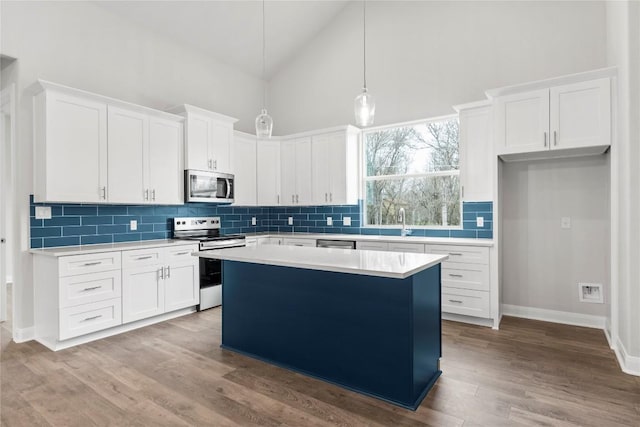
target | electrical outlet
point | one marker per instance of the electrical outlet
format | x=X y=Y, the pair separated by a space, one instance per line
x=290 y=220
x=254 y=221
x=590 y=292
x=133 y=225
x=479 y=221
x=565 y=222
x=346 y=221
x=329 y=220
x=43 y=212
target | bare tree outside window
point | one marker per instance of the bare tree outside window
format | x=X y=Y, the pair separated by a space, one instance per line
x=414 y=167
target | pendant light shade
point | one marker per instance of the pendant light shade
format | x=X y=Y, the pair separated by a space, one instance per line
x=364 y=104
x=264 y=122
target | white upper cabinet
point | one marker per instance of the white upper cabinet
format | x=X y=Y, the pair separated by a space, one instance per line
x=70 y=148
x=245 y=168
x=268 y=172
x=562 y=119
x=128 y=142
x=476 y=151
x=334 y=166
x=296 y=171
x=208 y=139
x=165 y=179
x=93 y=149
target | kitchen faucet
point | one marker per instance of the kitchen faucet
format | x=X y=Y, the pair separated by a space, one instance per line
x=402 y=220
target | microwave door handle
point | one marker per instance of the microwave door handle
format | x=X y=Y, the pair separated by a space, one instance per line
x=228 y=188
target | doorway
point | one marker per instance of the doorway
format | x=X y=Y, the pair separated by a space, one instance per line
x=7 y=133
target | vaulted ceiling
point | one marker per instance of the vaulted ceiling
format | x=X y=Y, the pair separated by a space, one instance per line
x=231 y=31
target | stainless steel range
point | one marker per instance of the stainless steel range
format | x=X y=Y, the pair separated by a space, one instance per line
x=206 y=230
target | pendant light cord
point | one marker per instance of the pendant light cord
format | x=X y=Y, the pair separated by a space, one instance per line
x=364 y=41
x=264 y=48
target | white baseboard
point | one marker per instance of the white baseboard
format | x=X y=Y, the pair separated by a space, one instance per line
x=24 y=334
x=467 y=319
x=565 y=317
x=628 y=364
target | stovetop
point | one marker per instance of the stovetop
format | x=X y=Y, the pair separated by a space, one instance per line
x=201 y=229
x=209 y=238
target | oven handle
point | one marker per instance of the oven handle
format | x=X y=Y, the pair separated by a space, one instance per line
x=238 y=243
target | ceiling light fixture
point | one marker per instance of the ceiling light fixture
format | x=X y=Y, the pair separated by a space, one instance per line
x=264 y=122
x=364 y=104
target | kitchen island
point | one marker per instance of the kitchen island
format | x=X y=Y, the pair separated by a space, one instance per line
x=368 y=321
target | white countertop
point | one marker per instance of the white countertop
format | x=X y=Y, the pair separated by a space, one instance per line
x=378 y=238
x=107 y=247
x=397 y=265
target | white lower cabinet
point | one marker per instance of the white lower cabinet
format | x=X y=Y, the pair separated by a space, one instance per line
x=77 y=295
x=417 y=248
x=372 y=246
x=290 y=241
x=466 y=302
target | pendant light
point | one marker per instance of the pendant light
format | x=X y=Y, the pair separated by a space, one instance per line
x=364 y=104
x=264 y=122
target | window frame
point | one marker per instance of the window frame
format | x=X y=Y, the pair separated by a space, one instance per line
x=365 y=178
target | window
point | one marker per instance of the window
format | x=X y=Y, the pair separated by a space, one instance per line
x=415 y=167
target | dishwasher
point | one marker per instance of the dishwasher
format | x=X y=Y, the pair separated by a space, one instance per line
x=339 y=244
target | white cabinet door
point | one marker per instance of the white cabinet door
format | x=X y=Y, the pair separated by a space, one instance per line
x=289 y=241
x=304 y=193
x=372 y=246
x=343 y=162
x=221 y=143
x=288 y=171
x=182 y=286
x=244 y=159
x=165 y=176
x=406 y=247
x=321 y=179
x=199 y=133
x=476 y=154
x=71 y=149
x=142 y=292
x=581 y=114
x=268 y=171
x=128 y=137
x=522 y=122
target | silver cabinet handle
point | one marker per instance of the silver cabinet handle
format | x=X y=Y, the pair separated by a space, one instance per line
x=297 y=201
x=92 y=318
x=455 y=253
x=215 y=165
x=331 y=197
x=104 y=193
x=555 y=137
x=161 y=272
x=153 y=194
x=545 y=139
x=209 y=164
x=87 y=264
x=144 y=257
x=168 y=275
x=457 y=301
x=91 y=288
x=183 y=253
x=462 y=191
x=278 y=196
x=455 y=275
x=325 y=197
x=293 y=198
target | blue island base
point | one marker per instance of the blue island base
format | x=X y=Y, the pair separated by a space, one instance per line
x=373 y=335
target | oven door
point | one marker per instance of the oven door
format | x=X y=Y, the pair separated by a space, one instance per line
x=210 y=283
x=211 y=187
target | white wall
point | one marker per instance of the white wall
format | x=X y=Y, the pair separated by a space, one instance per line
x=623 y=51
x=542 y=263
x=81 y=45
x=424 y=57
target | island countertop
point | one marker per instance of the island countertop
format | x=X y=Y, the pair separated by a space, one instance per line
x=397 y=265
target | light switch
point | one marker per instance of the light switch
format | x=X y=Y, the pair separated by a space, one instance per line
x=43 y=212
x=133 y=225
x=346 y=221
x=565 y=222
x=253 y=221
x=479 y=221
x=290 y=220
x=329 y=220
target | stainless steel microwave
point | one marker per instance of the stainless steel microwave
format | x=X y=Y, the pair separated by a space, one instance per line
x=211 y=187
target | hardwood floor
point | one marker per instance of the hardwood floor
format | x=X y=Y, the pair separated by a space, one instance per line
x=175 y=374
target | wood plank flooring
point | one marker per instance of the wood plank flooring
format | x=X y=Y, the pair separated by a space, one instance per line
x=175 y=374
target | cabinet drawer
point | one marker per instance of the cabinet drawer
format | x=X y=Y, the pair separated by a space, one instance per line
x=300 y=242
x=87 y=318
x=372 y=246
x=180 y=254
x=87 y=288
x=466 y=302
x=407 y=247
x=90 y=263
x=142 y=257
x=466 y=276
x=458 y=254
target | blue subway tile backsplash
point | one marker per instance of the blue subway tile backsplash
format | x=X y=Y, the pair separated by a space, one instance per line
x=75 y=224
